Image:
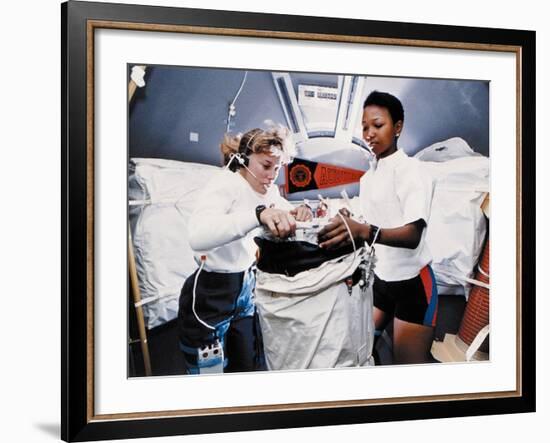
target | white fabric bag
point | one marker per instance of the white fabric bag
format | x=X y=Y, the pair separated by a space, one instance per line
x=457 y=227
x=311 y=321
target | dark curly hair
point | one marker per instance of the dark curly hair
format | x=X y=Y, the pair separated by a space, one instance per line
x=388 y=101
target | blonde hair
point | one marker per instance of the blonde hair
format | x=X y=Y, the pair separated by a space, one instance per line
x=271 y=140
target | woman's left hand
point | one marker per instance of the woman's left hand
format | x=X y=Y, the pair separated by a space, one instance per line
x=302 y=213
x=336 y=235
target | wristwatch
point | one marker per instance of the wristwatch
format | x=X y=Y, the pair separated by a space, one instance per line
x=373 y=234
x=259 y=210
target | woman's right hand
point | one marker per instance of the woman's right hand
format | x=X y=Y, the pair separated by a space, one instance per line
x=337 y=233
x=281 y=223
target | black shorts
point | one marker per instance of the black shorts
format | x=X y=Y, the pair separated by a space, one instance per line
x=413 y=301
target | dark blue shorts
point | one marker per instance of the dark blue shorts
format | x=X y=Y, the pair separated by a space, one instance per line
x=413 y=301
x=224 y=301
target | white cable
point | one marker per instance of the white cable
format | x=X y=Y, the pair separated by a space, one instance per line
x=349 y=233
x=231 y=112
x=345 y=196
x=352 y=241
x=253 y=175
x=240 y=88
x=231 y=158
x=201 y=321
x=375 y=237
x=194 y=297
x=241 y=162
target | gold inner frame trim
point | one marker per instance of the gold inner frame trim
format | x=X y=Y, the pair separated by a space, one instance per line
x=92 y=25
x=298 y=36
x=282 y=407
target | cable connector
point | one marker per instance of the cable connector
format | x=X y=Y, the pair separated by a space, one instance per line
x=239 y=158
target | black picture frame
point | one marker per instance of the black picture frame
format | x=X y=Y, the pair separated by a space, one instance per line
x=79 y=20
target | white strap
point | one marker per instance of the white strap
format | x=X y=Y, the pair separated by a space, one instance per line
x=161 y=201
x=464 y=279
x=481 y=271
x=145 y=301
x=480 y=189
x=139 y=202
x=153 y=298
x=476 y=343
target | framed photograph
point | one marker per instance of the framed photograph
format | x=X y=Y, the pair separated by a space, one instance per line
x=149 y=94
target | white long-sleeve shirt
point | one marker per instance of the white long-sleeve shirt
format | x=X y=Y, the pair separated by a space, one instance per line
x=223 y=223
x=394 y=193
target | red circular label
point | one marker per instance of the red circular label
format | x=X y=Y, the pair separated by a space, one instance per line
x=300 y=176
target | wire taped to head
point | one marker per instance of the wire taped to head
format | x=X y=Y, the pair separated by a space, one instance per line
x=240 y=160
x=235 y=156
x=239 y=157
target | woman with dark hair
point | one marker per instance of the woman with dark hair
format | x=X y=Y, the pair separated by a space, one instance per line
x=395 y=198
x=217 y=319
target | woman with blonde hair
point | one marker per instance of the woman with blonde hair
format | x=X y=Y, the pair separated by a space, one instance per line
x=219 y=331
